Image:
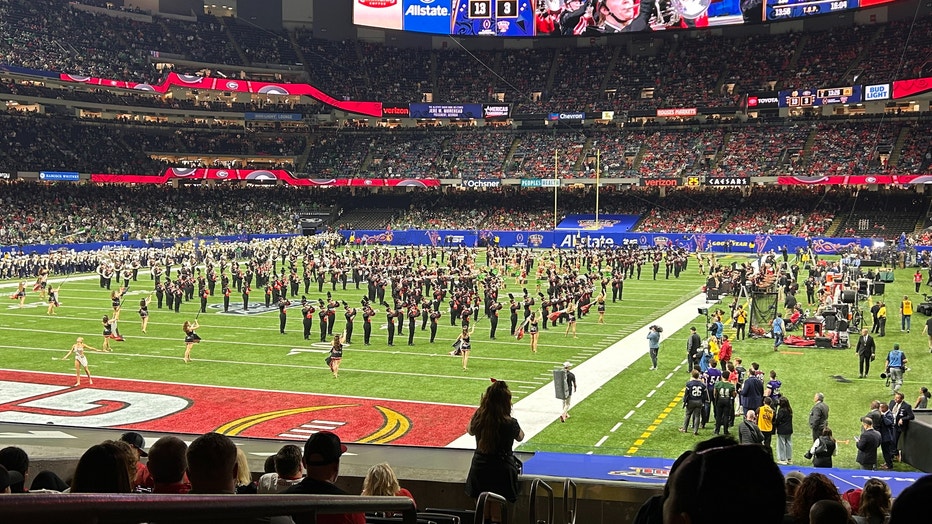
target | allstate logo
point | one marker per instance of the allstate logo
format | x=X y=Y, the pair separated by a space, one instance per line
x=535 y=240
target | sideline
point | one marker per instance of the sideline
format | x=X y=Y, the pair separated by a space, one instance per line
x=541 y=408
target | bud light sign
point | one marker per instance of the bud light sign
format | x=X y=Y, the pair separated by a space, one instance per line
x=877 y=92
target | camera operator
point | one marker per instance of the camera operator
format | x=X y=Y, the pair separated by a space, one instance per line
x=896 y=365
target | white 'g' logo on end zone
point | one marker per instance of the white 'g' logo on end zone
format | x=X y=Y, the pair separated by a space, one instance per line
x=84 y=407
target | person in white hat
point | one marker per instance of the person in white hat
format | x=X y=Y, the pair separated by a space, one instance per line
x=570 y=389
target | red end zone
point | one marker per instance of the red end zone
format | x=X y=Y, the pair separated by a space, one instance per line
x=48 y=398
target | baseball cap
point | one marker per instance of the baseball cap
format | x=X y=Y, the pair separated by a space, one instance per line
x=567 y=364
x=8 y=478
x=323 y=448
x=135 y=439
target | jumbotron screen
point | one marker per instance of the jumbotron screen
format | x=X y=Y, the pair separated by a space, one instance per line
x=527 y=18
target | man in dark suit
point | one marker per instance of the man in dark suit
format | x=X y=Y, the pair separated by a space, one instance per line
x=902 y=414
x=693 y=346
x=867 y=444
x=866 y=350
x=818 y=416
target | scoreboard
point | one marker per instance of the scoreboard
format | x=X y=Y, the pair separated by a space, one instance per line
x=787 y=9
x=529 y=18
x=493 y=17
x=820 y=97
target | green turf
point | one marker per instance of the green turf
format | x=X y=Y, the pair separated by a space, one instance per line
x=248 y=351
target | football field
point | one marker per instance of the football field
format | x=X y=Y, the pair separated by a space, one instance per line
x=246 y=376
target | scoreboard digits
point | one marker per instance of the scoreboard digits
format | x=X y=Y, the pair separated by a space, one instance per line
x=506 y=9
x=480 y=8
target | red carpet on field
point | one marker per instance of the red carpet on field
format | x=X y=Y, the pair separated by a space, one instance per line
x=51 y=398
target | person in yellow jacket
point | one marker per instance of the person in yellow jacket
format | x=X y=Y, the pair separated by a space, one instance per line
x=765 y=420
x=882 y=320
x=906 y=313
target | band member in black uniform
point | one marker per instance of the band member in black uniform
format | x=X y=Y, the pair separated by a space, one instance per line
x=204 y=294
x=211 y=281
x=400 y=315
x=190 y=338
x=514 y=313
x=425 y=313
x=268 y=295
x=367 y=314
x=434 y=320
x=169 y=294
x=306 y=277
x=307 y=317
x=656 y=265
x=178 y=295
x=127 y=276
x=494 y=308
x=544 y=310
x=159 y=294
x=282 y=313
x=295 y=283
x=226 y=298
x=144 y=311
x=246 y=291
x=332 y=306
x=324 y=319
x=413 y=313
x=390 y=317
x=350 y=315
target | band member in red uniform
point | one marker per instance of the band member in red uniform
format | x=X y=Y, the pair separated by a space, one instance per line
x=350 y=314
x=434 y=320
x=282 y=313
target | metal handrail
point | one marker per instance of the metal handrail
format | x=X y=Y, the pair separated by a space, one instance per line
x=93 y=508
x=484 y=498
x=533 y=509
x=569 y=506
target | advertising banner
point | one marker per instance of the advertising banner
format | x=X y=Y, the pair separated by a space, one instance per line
x=660 y=182
x=446 y=110
x=727 y=181
x=877 y=92
x=820 y=97
x=59 y=176
x=260 y=175
x=235 y=86
x=905 y=88
x=679 y=111
x=396 y=110
x=854 y=179
x=273 y=117
x=481 y=183
x=427 y=16
x=379 y=13
x=554 y=117
x=496 y=110
x=763 y=100
x=613 y=223
x=7 y=175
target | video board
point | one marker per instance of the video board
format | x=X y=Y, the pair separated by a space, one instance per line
x=527 y=18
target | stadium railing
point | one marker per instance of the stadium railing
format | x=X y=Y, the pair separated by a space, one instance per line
x=94 y=508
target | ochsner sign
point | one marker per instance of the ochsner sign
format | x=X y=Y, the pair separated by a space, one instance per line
x=481 y=183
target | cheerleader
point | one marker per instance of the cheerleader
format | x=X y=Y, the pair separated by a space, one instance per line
x=42 y=282
x=116 y=302
x=571 y=319
x=144 y=311
x=336 y=355
x=464 y=344
x=108 y=333
x=532 y=328
x=190 y=338
x=80 y=360
x=600 y=305
x=20 y=294
x=53 y=300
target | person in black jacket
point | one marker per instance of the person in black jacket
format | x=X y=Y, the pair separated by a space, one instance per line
x=867 y=444
x=693 y=347
x=748 y=432
x=822 y=450
x=783 y=426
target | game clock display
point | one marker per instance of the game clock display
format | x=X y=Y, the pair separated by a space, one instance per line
x=786 y=9
x=494 y=17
